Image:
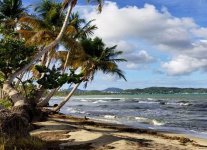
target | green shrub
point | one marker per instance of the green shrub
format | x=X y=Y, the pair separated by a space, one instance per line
x=5 y=103
x=29 y=143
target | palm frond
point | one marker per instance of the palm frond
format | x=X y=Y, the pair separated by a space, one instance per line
x=33 y=22
x=42 y=37
x=26 y=34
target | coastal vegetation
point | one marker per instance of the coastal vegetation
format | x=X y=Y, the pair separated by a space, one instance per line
x=41 y=50
x=150 y=90
x=34 y=66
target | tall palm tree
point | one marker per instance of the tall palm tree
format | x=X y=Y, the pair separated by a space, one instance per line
x=10 y=12
x=11 y=9
x=44 y=27
x=83 y=30
x=98 y=58
x=21 y=106
x=70 y=5
x=7 y=87
x=17 y=98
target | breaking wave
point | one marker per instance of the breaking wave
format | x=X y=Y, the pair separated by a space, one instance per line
x=149 y=121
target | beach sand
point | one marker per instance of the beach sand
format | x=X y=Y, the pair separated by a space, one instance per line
x=67 y=132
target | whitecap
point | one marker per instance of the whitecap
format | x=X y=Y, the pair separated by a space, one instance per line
x=71 y=110
x=84 y=100
x=149 y=121
x=110 y=116
x=147 y=102
x=184 y=104
x=151 y=99
x=157 y=123
x=141 y=118
x=99 y=101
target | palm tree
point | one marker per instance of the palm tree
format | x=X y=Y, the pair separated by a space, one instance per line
x=10 y=12
x=83 y=30
x=99 y=58
x=7 y=86
x=11 y=9
x=70 y=5
x=21 y=106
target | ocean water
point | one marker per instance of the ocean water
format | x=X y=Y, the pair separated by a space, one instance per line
x=179 y=113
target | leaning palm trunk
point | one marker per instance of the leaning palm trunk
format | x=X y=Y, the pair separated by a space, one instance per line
x=67 y=98
x=46 y=49
x=20 y=115
x=45 y=101
x=11 y=91
x=17 y=98
x=15 y=121
x=19 y=79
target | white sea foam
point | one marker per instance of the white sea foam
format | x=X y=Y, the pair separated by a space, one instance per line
x=157 y=123
x=179 y=104
x=148 y=102
x=184 y=104
x=97 y=98
x=150 y=99
x=71 y=110
x=204 y=133
x=110 y=116
x=99 y=101
x=149 y=121
x=84 y=100
x=141 y=118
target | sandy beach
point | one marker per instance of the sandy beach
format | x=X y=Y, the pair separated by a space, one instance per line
x=67 y=132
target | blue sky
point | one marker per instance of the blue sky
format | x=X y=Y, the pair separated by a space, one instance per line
x=165 y=42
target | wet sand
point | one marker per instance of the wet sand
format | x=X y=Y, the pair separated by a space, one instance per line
x=67 y=132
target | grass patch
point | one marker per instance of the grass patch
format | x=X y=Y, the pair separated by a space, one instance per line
x=5 y=103
x=28 y=143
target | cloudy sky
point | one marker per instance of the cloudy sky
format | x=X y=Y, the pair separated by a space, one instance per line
x=165 y=42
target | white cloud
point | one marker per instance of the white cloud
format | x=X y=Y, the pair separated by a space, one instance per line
x=138 y=59
x=147 y=23
x=135 y=58
x=182 y=38
x=184 y=65
x=200 y=32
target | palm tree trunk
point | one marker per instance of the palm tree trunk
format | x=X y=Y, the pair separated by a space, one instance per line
x=19 y=79
x=46 y=49
x=67 y=98
x=19 y=117
x=45 y=101
x=15 y=122
x=2 y=95
x=17 y=98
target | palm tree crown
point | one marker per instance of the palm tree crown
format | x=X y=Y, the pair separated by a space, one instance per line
x=11 y=9
x=100 y=58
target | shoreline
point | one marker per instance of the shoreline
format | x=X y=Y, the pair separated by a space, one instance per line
x=74 y=133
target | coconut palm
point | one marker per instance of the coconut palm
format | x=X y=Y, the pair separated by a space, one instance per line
x=83 y=30
x=7 y=86
x=70 y=5
x=11 y=9
x=21 y=108
x=10 y=12
x=98 y=58
x=44 y=27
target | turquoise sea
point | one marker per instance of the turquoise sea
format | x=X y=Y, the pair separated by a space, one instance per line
x=180 y=113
